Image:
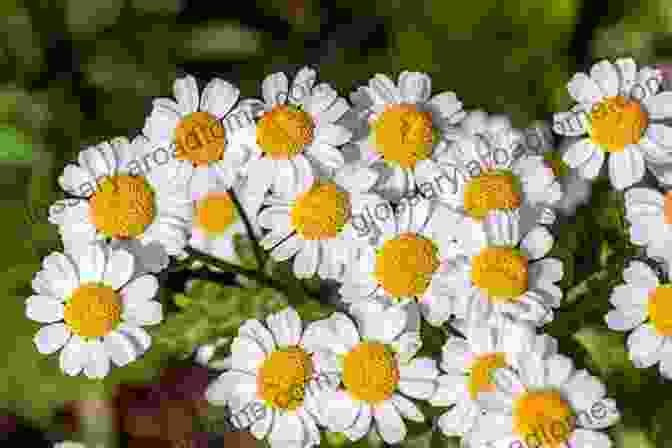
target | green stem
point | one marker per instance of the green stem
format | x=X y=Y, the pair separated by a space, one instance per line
x=582 y=288
x=294 y=295
x=258 y=251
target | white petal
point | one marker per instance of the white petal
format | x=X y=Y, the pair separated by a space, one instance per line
x=139 y=336
x=73 y=356
x=91 y=263
x=285 y=326
x=606 y=76
x=415 y=87
x=537 y=243
x=50 y=338
x=186 y=94
x=362 y=425
x=579 y=153
x=307 y=260
x=390 y=425
x=458 y=420
x=559 y=368
x=218 y=97
x=275 y=88
x=256 y=331
x=407 y=408
x=583 y=89
x=450 y=390
x=587 y=438
x=119 y=269
x=591 y=168
x=641 y=275
x=659 y=106
x=149 y=312
x=44 y=309
x=98 y=364
x=620 y=321
x=288 y=431
x=340 y=410
x=644 y=346
x=141 y=289
x=332 y=134
x=120 y=348
x=417 y=379
x=626 y=167
x=246 y=354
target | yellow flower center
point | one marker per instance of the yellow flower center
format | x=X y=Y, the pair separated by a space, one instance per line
x=216 y=212
x=668 y=207
x=405 y=265
x=403 y=134
x=617 y=122
x=501 y=272
x=553 y=160
x=283 y=377
x=93 y=310
x=320 y=212
x=480 y=378
x=370 y=372
x=199 y=139
x=545 y=416
x=493 y=190
x=283 y=132
x=122 y=207
x=660 y=309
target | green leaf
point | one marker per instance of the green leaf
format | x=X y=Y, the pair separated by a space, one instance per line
x=245 y=250
x=15 y=146
x=608 y=352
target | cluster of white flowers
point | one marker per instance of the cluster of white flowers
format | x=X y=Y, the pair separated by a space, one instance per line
x=352 y=191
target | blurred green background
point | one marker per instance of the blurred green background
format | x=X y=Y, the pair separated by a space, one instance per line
x=75 y=72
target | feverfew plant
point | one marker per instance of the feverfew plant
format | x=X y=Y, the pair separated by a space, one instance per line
x=429 y=279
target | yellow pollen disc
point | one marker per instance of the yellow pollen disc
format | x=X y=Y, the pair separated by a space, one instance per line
x=122 y=206
x=668 y=207
x=660 y=309
x=617 y=122
x=216 y=212
x=501 y=272
x=481 y=373
x=199 y=139
x=403 y=134
x=405 y=265
x=494 y=190
x=545 y=416
x=283 y=132
x=283 y=377
x=370 y=372
x=320 y=212
x=93 y=310
x=553 y=159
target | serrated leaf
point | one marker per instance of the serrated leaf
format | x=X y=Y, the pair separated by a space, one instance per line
x=607 y=351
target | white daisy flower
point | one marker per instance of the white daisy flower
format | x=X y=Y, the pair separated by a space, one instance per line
x=506 y=274
x=469 y=364
x=201 y=128
x=95 y=309
x=407 y=129
x=145 y=211
x=412 y=259
x=217 y=220
x=296 y=137
x=650 y=216
x=617 y=107
x=544 y=402
x=487 y=168
x=376 y=362
x=276 y=374
x=321 y=226
x=644 y=299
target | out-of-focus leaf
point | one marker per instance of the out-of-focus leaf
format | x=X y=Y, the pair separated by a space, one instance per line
x=159 y=6
x=608 y=352
x=22 y=40
x=89 y=16
x=633 y=438
x=219 y=40
x=245 y=250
